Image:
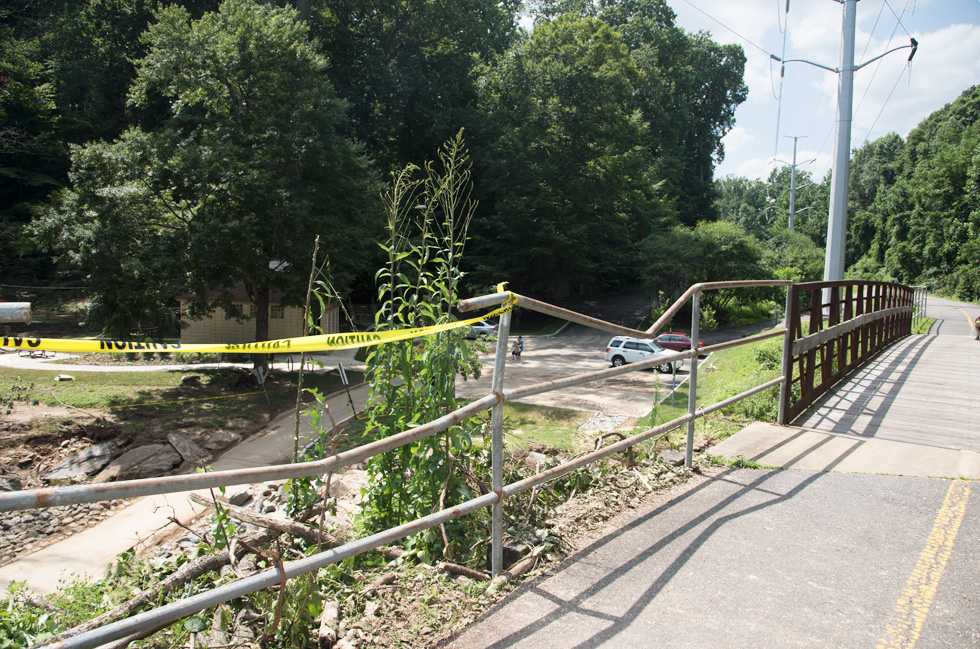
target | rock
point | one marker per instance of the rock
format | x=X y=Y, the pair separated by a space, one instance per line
x=672 y=458
x=238 y=495
x=188 y=450
x=64 y=377
x=142 y=462
x=537 y=461
x=222 y=439
x=10 y=483
x=85 y=463
x=190 y=379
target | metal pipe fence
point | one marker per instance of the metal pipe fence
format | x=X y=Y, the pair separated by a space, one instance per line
x=495 y=499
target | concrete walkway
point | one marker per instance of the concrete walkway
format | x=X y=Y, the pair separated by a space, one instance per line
x=870 y=539
x=146 y=522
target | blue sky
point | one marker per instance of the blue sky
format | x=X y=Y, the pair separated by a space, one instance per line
x=889 y=95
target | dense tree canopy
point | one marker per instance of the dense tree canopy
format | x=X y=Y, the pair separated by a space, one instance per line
x=247 y=169
x=590 y=134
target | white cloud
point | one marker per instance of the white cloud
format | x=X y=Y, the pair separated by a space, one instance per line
x=737 y=139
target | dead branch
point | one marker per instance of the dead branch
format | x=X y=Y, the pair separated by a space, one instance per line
x=383 y=580
x=523 y=566
x=327 y=636
x=277 y=560
x=457 y=569
x=282 y=525
x=186 y=573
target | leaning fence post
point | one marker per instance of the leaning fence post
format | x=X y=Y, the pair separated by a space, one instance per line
x=497 y=444
x=692 y=397
x=787 y=368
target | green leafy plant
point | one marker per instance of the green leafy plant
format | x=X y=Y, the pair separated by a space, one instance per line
x=413 y=382
x=23 y=623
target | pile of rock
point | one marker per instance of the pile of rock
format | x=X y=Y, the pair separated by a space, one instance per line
x=28 y=531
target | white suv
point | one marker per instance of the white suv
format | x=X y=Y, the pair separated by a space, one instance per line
x=623 y=349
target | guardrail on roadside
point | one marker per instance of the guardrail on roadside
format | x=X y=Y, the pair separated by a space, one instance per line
x=494 y=401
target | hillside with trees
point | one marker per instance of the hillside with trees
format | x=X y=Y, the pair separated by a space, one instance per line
x=913 y=208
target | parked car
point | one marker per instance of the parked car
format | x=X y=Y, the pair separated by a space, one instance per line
x=623 y=349
x=676 y=341
x=483 y=327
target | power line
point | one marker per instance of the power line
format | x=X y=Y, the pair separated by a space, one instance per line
x=908 y=66
x=710 y=17
x=899 y=18
x=881 y=10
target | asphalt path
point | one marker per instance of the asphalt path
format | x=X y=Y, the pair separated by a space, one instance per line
x=952 y=318
x=764 y=559
x=753 y=558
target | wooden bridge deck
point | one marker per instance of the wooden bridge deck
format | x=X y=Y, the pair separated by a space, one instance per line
x=923 y=390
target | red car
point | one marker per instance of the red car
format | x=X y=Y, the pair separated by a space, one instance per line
x=676 y=342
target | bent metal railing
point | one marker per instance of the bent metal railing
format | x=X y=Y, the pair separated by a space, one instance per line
x=164 y=615
x=849 y=322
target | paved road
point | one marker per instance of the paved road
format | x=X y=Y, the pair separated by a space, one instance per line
x=578 y=350
x=952 y=318
x=765 y=559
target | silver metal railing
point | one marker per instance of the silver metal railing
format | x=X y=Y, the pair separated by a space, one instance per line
x=164 y=615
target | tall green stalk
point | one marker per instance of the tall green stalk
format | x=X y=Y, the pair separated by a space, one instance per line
x=413 y=382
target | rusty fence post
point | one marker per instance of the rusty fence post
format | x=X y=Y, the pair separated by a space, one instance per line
x=692 y=397
x=497 y=444
x=787 y=365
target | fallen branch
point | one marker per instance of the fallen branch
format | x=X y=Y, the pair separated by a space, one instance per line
x=186 y=573
x=282 y=525
x=383 y=580
x=327 y=636
x=521 y=567
x=456 y=569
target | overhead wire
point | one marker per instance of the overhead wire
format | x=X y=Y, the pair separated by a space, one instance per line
x=908 y=67
x=710 y=17
x=782 y=76
x=877 y=67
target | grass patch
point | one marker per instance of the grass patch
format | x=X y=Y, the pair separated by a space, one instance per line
x=524 y=424
x=135 y=396
x=923 y=326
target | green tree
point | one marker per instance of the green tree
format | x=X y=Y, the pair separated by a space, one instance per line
x=232 y=188
x=746 y=203
x=407 y=67
x=29 y=151
x=687 y=94
x=711 y=252
x=565 y=188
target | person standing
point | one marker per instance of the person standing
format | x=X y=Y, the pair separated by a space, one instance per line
x=520 y=346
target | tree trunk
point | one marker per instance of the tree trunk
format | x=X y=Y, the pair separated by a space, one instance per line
x=305 y=9
x=261 y=298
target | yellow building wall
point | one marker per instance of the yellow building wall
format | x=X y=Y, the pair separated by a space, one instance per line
x=219 y=329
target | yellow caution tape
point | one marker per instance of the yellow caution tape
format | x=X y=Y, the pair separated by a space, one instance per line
x=324 y=342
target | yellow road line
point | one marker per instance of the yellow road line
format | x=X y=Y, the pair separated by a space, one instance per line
x=913 y=604
x=968 y=319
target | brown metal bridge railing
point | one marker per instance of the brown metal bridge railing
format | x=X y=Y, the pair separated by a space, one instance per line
x=848 y=323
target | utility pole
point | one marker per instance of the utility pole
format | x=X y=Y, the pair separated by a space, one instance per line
x=833 y=268
x=792 y=185
x=840 y=176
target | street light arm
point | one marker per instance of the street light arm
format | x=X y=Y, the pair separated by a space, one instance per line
x=816 y=65
x=914 y=45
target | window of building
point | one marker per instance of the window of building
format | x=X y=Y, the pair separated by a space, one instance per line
x=277 y=311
